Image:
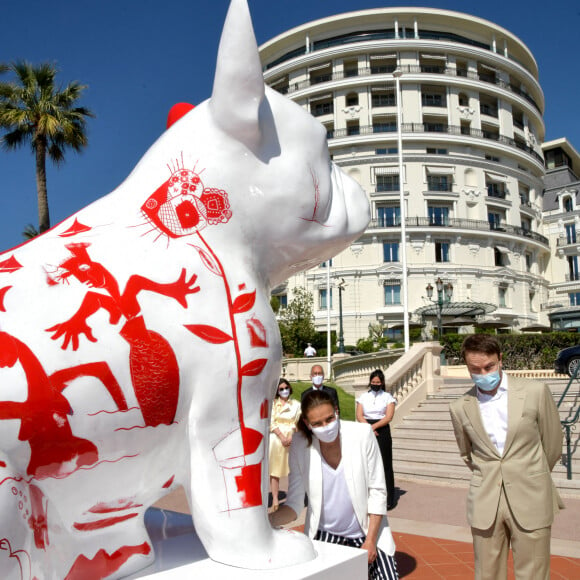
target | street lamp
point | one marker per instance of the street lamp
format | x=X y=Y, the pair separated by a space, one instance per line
x=444 y=295
x=397 y=73
x=341 y=286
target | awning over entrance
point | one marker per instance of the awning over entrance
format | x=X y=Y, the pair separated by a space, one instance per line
x=456 y=309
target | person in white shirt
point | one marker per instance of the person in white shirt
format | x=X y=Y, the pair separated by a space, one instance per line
x=377 y=407
x=337 y=464
x=509 y=434
x=309 y=351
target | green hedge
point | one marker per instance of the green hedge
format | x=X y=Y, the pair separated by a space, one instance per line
x=520 y=351
x=345 y=400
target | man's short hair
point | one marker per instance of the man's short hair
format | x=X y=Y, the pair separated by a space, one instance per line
x=314 y=366
x=481 y=343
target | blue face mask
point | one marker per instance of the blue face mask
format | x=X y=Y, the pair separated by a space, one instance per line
x=487 y=382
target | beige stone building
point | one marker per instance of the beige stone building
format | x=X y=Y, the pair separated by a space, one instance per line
x=472 y=164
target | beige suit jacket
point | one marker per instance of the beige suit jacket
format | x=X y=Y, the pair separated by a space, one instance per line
x=533 y=445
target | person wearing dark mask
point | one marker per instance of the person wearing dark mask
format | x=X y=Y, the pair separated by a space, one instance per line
x=337 y=464
x=377 y=407
x=317 y=378
x=509 y=435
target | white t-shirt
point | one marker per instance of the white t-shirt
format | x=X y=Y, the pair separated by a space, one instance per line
x=494 y=413
x=337 y=515
x=375 y=403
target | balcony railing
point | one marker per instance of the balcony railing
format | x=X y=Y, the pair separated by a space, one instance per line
x=438 y=128
x=566 y=242
x=409 y=69
x=463 y=224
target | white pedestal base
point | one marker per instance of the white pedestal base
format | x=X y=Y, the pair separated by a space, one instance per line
x=180 y=556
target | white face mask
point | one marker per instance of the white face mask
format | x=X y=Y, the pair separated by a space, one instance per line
x=284 y=393
x=327 y=433
x=317 y=380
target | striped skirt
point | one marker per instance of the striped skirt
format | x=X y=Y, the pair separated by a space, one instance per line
x=383 y=568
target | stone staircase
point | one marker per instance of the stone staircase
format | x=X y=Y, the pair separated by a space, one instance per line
x=424 y=446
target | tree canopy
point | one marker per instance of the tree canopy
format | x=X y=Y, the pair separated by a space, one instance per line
x=34 y=110
x=297 y=322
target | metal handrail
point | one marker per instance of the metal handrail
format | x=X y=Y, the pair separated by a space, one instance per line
x=433 y=128
x=569 y=424
x=458 y=223
x=409 y=69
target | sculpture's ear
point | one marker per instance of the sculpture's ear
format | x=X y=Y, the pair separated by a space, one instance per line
x=238 y=87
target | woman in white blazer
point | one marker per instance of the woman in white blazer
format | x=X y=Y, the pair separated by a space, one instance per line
x=339 y=461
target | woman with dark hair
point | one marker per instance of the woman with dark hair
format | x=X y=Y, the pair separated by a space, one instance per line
x=337 y=465
x=285 y=415
x=377 y=407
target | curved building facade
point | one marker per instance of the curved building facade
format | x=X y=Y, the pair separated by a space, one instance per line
x=472 y=163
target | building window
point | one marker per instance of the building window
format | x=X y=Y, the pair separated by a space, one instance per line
x=382 y=127
x=386 y=151
x=573 y=268
x=283 y=300
x=495 y=189
x=571 y=233
x=392 y=294
x=501 y=296
x=568 y=204
x=389 y=216
x=526 y=224
x=431 y=97
x=352 y=100
x=322 y=299
x=353 y=128
x=574 y=298
x=438 y=216
x=436 y=151
x=390 y=251
x=492 y=158
x=328 y=263
x=387 y=183
x=442 y=251
x=494 y=218
x=528 y=262
x=557 y=158
x=498 y=257
x=318 y=109
x=439 y=182
x=383 y=100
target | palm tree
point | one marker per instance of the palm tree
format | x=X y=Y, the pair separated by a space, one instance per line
x=33 y=110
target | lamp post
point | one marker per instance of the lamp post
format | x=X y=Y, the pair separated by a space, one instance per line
x=397 y=73
x=341 y=286
x=444 y=295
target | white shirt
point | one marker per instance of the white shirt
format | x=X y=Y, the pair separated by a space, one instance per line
x=309 y=351
x=337 y=515
x=494 y=413
x=375 y=403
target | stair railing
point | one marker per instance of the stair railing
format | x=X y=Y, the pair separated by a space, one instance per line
x=569 y=424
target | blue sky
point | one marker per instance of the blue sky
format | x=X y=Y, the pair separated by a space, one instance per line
x=139 y=57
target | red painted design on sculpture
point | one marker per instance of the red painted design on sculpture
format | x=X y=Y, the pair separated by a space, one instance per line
x=169 y=482
x=182 y=205
x=249 y=485
x=54 y=450
x=257 y=333
x=104 y=523
x=2 y=294
x=104 y=564
x=38 y=521
x=21 y=556
x=154 y=368
x=10 y=265
x=76 y=228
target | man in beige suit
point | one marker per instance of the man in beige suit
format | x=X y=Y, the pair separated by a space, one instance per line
x=509 y=435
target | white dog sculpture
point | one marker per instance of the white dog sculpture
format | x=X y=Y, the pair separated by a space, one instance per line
x=138 y=350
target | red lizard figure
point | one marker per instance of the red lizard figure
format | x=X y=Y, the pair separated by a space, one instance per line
x=154 y=368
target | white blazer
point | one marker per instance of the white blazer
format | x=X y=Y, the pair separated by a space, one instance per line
x=363 y=471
